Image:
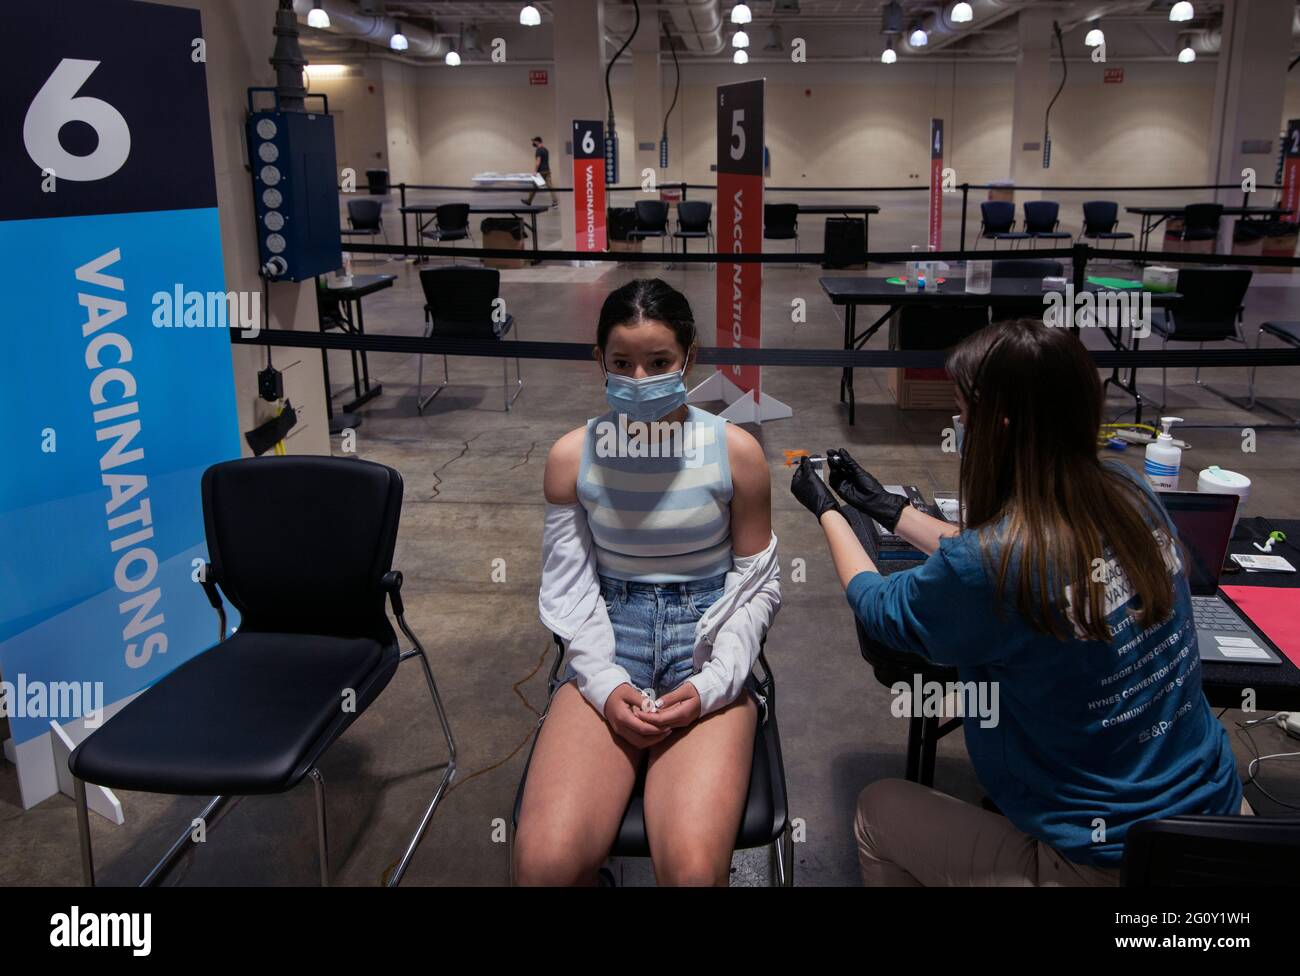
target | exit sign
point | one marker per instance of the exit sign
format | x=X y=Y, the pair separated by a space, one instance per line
x=1114 y=76
x=537 y=77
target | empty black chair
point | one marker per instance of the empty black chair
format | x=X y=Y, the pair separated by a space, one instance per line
x=997 y=223
x=694 y=220
x=781 y=223
x=1028 y=268
x=1042 y=221
x=1193 y=851
x=651 y=221
x=365 y=219
x=1210 y=310
x=302 y=547
x=1100 y=218
x=1036 y=268
x=766 y=818
x=461 y=303
x=619 y=222
x=1288 y=332
x=451 y=223
x=1200 y=223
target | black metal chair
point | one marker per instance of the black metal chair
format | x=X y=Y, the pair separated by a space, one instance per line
x=1288 y=332
x=781 y=223
x=1021 y=268
x=651 y=221
x=365 y=219
x=1195 y=851
x=1200 y=224
x=302 y=547
x=766 y=819
x=451 y=223
x=998 y=222
x=1042 y=221
x=461 y=303
x=694 y=220
x=1210 y=310
x=1100 y=217
x=619 y=222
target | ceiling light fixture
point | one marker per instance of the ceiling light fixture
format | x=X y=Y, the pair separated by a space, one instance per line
x=318 y=18
x=1181 y=11
x=398 y=41
x=740 y=14
x=962 y=13
x=529 y=16
x=740 y=57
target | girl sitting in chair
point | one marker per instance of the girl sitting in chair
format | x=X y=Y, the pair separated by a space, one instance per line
x=660 y=576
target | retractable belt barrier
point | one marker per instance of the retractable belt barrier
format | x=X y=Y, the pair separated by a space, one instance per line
x=1078 y=254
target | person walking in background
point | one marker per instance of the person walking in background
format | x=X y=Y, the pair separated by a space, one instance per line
x=542 y=166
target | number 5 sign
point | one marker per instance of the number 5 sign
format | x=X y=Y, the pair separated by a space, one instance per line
x=740 y=229
x=109 y=199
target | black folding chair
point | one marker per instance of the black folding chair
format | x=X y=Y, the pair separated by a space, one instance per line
x=302 y=547
x=451 y=223
x=694 y=221
x=461 y=303
x=998 y=222
x=766 y=819
x=781 y=223
x=651 y=221
x=1042 y=221
x=1289 y=333
x=1211 y=308
x=365 y=219
x=1194 y=851
x=1100 y=217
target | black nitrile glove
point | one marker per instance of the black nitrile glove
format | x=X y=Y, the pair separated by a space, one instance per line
x=808 y=487
x=862 y=491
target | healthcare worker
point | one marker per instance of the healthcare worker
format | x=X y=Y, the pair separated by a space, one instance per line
x=1065 y=595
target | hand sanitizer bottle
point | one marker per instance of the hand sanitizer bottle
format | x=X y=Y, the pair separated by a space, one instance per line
x=1164 y=458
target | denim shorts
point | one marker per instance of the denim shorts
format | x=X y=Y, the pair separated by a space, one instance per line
x=654 y=628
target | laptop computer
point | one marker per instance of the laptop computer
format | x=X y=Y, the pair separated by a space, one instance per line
x=1204 y=523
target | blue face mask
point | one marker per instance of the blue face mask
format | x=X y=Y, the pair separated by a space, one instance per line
x=647 y=398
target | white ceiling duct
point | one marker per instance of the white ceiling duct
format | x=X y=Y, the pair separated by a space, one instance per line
x=347 y=20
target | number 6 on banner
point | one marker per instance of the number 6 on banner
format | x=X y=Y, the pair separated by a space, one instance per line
x=57 y=104
x=588 y=143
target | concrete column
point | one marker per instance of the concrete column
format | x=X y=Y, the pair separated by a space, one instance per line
x=579 y=26
x=647 y=101
x=1036 y=79
x=239 y=42
x=1249 y=92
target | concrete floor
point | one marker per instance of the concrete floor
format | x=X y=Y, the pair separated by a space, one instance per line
x=473 y=476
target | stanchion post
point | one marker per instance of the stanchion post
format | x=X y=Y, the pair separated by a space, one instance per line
x=401 y=189
x=965 y=192
x=1080 y=260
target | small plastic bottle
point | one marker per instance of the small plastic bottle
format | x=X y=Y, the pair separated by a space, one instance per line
x=913 y=271
x=1164 y=458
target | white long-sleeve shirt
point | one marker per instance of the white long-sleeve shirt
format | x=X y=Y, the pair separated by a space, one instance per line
x=728 y=637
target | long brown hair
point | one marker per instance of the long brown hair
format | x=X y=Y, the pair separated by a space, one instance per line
x=1032 y=482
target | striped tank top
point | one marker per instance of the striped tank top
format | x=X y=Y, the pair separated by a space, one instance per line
x=658 y=519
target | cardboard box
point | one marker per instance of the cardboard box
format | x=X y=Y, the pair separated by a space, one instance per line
x=625 y=245
x=503 y=239
x=916 y=388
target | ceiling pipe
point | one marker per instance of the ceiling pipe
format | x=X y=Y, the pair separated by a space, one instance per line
x=943 y=31
x=347 y=20
x=699 y=23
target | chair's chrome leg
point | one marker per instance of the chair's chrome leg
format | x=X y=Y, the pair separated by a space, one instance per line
x=418 y=651
x=446 y=381
x=322 y=835
x=182 y=843
x=783 y=858
x=83 y=833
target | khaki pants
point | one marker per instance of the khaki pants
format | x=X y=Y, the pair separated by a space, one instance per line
x=545 y=175
x=911 y=835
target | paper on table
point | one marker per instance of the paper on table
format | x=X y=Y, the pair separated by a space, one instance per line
x=1275 y=610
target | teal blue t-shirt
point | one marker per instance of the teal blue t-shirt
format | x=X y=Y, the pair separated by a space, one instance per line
x=1090 y=737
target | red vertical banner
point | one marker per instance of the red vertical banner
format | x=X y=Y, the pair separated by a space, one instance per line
x=739 y=221
x=1291 y=171
x=589 y=185
x=936 y=183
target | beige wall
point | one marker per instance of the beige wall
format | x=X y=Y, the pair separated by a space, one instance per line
x=358 y=104
x=823 y=130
